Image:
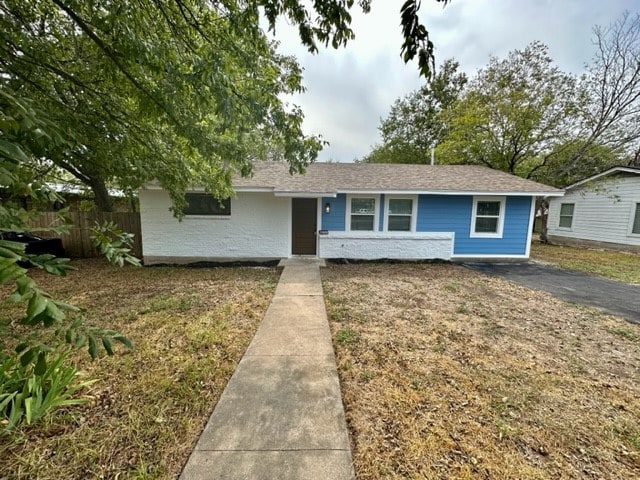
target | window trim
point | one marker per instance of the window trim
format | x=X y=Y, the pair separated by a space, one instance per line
x=573 y=214
x=376 y=212
x=635 y=208
x=501 y=215
x=414 y=212
x=205 y=215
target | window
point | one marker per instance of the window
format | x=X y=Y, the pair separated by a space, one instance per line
x=400 y=214
x=363 y=214
x=205 y=204
x=566 y=215
x=487 y=217
x=635 y=229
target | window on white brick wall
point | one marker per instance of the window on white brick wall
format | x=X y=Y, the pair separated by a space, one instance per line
x=206 y=205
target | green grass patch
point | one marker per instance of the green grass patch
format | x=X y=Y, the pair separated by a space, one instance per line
x=621 y=266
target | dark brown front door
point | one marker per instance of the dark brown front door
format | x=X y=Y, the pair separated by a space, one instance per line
x=304 y=215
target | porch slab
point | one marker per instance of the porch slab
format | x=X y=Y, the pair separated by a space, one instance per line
x=300 y=280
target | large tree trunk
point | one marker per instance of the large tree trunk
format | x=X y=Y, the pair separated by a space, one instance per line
x=542 y=205
x=101 y=194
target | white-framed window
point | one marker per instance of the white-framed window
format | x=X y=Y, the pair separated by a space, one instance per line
x=635 y=220
x=566 y=215
x=204 y=204
x=487 y=217
x=400 y=213
x=362 y=213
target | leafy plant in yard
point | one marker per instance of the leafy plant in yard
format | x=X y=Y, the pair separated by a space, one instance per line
x=34 y=373
x=114 y=243
x=29 y=391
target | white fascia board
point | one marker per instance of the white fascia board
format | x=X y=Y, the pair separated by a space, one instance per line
x=306 y=194
x=253 y=189
x=450 y=192
x=604 y=174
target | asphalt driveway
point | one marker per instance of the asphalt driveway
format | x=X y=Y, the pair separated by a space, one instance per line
x=613 y=297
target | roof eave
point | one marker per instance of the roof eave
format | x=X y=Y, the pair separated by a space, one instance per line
x=606 y=173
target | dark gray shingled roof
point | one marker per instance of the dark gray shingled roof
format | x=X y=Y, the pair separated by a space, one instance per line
x=331 y=178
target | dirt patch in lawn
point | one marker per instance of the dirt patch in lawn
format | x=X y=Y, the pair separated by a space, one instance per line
x=190 y=327
x=447 y=373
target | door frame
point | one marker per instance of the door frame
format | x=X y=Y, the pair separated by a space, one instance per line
x=318 y=223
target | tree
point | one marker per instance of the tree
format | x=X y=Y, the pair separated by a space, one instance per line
x=184 y=91
x=34 y=374
x=611 y=89
x=514 y=114
x=179 y=91
x=414 y=125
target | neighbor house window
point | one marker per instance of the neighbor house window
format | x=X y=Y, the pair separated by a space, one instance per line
x=566 y=215
x=205 y=204
x=487 y=217
x=400 y=214
x=636 y=221
x=362 y=213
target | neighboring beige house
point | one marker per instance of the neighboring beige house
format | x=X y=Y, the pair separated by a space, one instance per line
x=600 y=211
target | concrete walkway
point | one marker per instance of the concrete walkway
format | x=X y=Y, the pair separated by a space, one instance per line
x=281 y=414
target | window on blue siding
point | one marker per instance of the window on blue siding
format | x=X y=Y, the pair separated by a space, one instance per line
x=636 y=221
x=205 y=204
x=363 y=214
x=488 y=217
x=566 y=215
x=400 y=213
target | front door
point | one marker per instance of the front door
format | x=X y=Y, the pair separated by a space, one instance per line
x=304 y=218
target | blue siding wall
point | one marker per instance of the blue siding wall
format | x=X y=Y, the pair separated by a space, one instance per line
x=334 y=221
x=452 y=213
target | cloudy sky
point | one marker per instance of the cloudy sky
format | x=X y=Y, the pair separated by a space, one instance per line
x=349 y=90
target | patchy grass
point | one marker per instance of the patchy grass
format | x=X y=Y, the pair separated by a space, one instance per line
x=451 y=374
x=621 y=266
x=190 y=327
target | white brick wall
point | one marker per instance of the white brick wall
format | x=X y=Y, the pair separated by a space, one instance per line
x=371 y=246
x=259 y=228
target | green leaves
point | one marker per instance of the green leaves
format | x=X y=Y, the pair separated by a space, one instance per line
x=29 y=391
x=183 y=92
x=512 y=114
x=114 y=244
x=415 y=124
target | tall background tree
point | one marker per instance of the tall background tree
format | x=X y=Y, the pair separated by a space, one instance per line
x=414 y=125
x=512 y=115
x=523 y=115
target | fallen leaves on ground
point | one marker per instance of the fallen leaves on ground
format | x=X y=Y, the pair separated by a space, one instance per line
x=190 y=327
x=447 y=373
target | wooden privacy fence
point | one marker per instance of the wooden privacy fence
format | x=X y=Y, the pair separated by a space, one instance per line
x=77 y=242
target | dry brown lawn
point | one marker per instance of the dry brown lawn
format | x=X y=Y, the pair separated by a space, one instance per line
x=447 y=373
x=190 y=328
